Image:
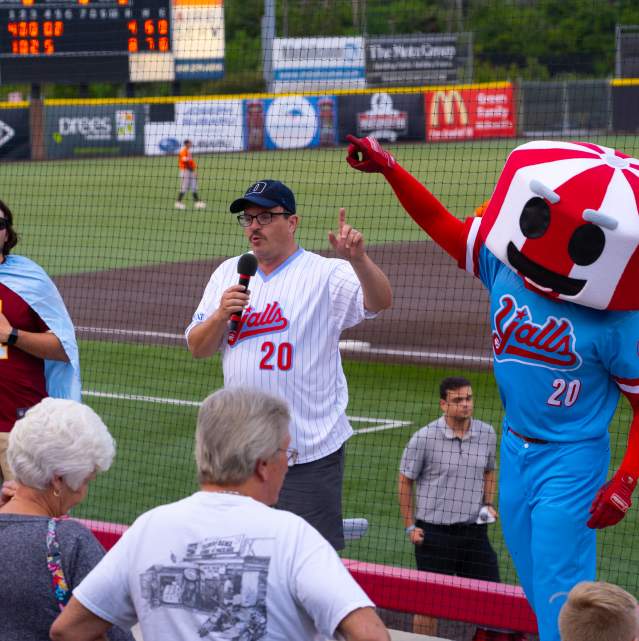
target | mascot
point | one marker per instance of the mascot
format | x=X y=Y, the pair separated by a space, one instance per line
x=557 y=247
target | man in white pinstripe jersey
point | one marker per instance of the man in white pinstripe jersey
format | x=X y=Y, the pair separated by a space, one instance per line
x=287 y=339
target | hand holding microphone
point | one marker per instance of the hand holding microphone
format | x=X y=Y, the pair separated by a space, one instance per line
x=246 y=268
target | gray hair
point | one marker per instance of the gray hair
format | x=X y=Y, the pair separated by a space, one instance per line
x=236 y=427
x=59 y=437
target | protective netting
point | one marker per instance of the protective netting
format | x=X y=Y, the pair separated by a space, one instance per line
x=448 y=88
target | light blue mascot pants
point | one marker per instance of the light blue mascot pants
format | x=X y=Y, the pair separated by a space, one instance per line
x=545 y=492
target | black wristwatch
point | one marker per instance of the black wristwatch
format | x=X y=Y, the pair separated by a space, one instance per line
x=12 y=339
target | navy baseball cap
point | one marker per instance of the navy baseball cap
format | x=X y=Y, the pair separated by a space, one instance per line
x=265 y=193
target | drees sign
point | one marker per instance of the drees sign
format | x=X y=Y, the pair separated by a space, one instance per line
x=94 y=130
x=88 y=128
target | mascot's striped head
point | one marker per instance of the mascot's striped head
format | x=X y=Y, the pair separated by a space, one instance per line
x=565 y=217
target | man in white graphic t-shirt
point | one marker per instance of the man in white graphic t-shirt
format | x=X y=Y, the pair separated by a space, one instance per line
x=221 y=564
x=287 y=338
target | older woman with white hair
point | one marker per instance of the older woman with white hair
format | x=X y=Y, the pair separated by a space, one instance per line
x=55 y=451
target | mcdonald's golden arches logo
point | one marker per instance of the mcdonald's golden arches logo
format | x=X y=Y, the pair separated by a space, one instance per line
x=447 y=103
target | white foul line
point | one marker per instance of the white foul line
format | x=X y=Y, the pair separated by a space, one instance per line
x=381 y=424
x=133 y=333
x=344 y=345
x=142 y=399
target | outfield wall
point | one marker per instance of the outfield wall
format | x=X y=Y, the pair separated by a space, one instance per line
x=81 y=128
x=125 y=127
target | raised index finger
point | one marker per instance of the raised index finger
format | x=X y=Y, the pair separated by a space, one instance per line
x=342 y=217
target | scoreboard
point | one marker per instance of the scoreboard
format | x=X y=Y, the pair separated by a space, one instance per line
x=76 y=41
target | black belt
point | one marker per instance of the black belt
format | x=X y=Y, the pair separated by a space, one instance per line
x=528 y=439
x=450 y=527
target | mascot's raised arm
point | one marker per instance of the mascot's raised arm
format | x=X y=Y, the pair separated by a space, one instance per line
x=557 y=247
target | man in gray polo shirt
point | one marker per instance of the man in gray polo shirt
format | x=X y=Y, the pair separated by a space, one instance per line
x=451 y=464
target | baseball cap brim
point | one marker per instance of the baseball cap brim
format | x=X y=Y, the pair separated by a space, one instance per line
x=246 y=201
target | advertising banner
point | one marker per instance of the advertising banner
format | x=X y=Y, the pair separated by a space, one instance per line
x=14 y=134
x=211 y=125
x=290 y=122
x=198 y=39
x=72 y=131
x=416 y=60
x=385 y=116
x=466 y=114
x=314 y=64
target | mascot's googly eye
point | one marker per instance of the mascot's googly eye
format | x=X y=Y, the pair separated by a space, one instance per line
x=586 y=244
x=535 y=218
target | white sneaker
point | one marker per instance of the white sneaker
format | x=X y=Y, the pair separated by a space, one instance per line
x=200 y=204
x=179 y=204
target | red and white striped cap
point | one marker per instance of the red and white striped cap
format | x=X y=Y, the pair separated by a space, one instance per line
x=565 y=217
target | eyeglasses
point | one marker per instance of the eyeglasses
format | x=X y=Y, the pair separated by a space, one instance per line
x=4 y=223
x=263 y=218
x=291 y=454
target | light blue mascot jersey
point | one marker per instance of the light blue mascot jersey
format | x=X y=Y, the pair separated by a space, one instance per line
x=559 y=366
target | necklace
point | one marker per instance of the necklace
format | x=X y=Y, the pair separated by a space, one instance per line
x=226 y=492
x=213 y=489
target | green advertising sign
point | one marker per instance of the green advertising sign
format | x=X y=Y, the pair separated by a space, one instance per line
x=73 y=131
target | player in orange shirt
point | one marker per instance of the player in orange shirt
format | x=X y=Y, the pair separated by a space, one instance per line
x=188 y=177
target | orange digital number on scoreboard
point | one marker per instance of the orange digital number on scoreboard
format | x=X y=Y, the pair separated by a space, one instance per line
x=26 y=36
x=34 y=37
x=149 y=42
x=52 y=28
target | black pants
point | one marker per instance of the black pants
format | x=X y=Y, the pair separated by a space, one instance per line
x=314 y=492
x=461 y=549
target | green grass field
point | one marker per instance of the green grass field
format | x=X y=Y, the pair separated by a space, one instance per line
x=92 y=215
x=89 y=215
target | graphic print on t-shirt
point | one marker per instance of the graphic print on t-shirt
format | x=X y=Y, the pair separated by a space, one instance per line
x=223 y=579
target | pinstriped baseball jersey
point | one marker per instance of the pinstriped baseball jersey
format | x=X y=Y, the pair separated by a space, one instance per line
x=287 y=342
x=559 y=366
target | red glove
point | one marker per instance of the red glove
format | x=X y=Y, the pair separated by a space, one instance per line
x=366 y=154
x=612 y=501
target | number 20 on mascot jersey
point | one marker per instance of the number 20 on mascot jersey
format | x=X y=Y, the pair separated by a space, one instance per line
x=557 y=247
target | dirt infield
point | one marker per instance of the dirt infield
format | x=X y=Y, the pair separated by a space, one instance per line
x=437 y=307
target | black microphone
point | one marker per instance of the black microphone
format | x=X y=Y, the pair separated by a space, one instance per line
x=246 y=267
